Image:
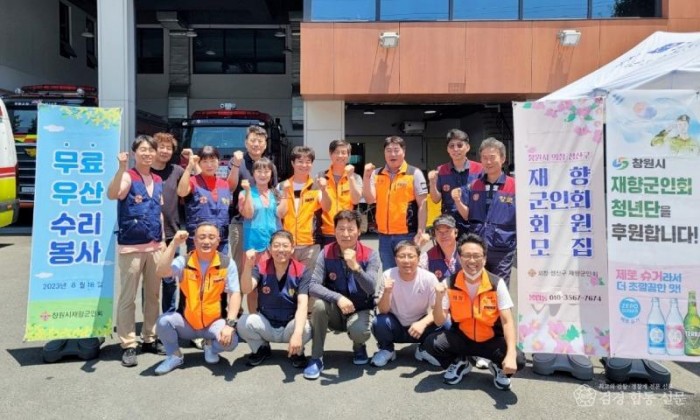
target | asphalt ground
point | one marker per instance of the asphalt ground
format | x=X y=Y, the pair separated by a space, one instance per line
x=404 y=389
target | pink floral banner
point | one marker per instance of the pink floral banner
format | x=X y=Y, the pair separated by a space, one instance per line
x=562 y=255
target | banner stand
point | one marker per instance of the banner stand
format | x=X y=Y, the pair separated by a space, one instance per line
x=621 y=370
x=580 y=367
x=84 y=348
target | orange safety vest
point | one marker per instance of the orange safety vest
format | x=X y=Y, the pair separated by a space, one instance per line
x=478 y=318
x=340 y=200
x=204 y=298
x=397 y=209
x=302 y=222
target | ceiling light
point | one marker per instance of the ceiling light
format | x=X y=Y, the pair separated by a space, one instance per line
x=280 y=33
x=368 y=112
x=87 y=34
x=429 y=111
x=209 y=52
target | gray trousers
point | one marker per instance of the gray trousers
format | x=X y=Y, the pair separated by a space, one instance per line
x=326 y=315
x=256 y=330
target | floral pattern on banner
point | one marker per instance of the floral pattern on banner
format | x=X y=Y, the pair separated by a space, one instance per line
x=579 y=112
x=561 y=338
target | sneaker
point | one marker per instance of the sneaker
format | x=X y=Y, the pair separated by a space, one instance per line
x=155 y=347
x=359 y=356
x=313 y=369
x=129 y=358
x=481 y=363
x=456 y=371
x=382 y=357
x=210 y=356
x=298 y=361
x=422 y=355
x=259 y=356
x=500 y=379
x=198 y=342
x=169 y=364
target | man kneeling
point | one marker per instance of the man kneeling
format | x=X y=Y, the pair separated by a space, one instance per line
x=343 y=283
x=482 y=321
x=209 y=286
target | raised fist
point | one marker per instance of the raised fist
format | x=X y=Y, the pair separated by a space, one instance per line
x=369 y=167
x=123 y=159
x=456 y=194
x=187 y=153
x=180 y=237
x=194 y=160
x=440 y=288
x=250 y=256
x=349 y=257
x=388 y=283
x=245 y=184
x=349 y=170
x=322 y=182
x=432 y=176
x=237 y=157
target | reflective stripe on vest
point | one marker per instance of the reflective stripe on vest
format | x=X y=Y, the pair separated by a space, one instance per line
x=478 y=318
x=302 y=222
x=396 y=209
x=205 y=297
x=139 y=212
x=341 y=199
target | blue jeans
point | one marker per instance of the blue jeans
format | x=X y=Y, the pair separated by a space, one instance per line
x=387 y=329
x=386 y=248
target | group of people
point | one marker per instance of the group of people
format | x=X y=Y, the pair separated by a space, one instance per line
x=293 y=247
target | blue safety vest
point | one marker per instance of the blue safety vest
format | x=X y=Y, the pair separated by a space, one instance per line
x=200 y=206
x=449 y=178
x=278 y=306
x=437 y=264
x=497 y=224
x=139 y=212
x=339 y=278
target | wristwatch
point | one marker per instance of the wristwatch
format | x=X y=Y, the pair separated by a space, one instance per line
x=232 y=323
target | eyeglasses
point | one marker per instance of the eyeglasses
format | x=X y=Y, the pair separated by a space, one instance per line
x=475 y=257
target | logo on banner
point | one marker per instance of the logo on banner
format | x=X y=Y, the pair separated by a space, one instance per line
x=620 y=163
x=630 y=309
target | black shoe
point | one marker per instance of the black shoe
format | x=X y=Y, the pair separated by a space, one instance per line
x=129 y=358
x=299 y=361
x=259 y=356
x=155 y=347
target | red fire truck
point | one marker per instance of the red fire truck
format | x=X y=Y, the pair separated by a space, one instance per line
x=22 y=110
x=225 y=129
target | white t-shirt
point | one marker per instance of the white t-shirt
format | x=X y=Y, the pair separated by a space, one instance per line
x=502 y=294
x=411 y=300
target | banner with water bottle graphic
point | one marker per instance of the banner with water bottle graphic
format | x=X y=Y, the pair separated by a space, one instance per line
x=653 y=156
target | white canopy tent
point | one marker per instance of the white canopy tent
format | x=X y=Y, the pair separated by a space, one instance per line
x=665 y=60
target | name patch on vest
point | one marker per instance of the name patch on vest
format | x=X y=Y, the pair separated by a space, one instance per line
x=217 y=279
x=266 y=290
x=203 y=200
x=507 y=200
x=225 y=201
x=332 y=276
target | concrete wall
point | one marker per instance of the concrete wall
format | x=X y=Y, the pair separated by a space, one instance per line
x=29 y=45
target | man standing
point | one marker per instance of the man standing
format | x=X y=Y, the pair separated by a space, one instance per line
x=342 y=190
x=489 y=206
x=483 y=324
x=399 y=191
x=442 y=259
x=405 y=308
x=140 y=240
x=343 y=283
x=170 y=173
x=240 y=168
x=446 y=181
x=209 y=282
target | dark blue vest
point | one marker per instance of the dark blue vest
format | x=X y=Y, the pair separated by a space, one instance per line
x=448 y=179
x=139 y=213
x=341 y=279
x=437 y=264
x=278 y=306
x=200 y=206
x=497 y=224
